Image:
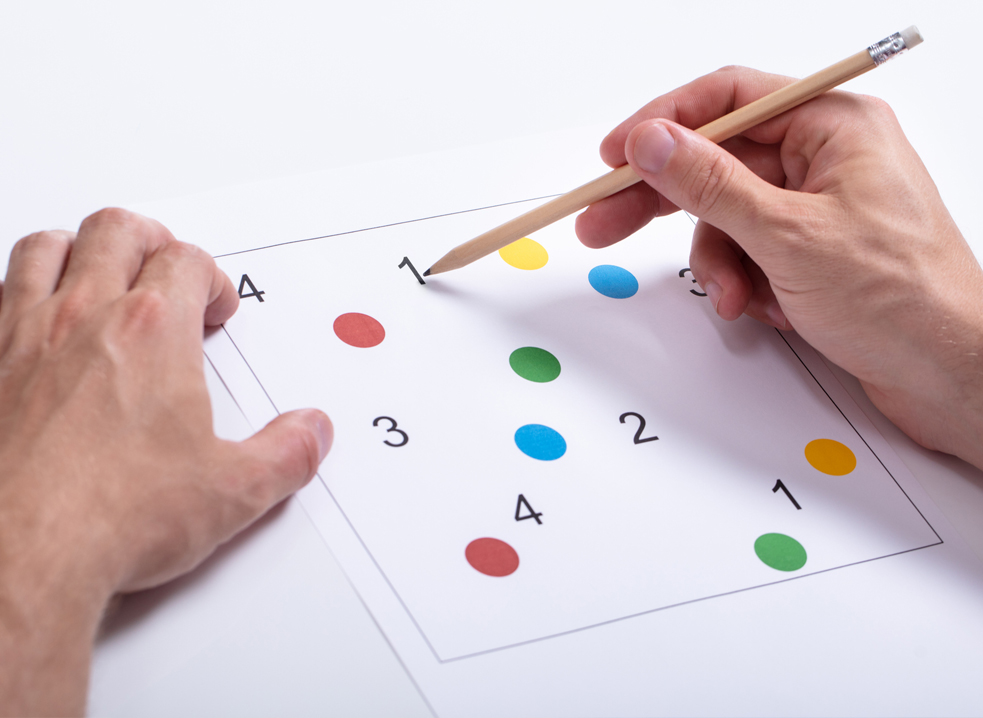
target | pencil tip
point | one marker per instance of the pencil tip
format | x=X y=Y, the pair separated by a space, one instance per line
x=427 y=273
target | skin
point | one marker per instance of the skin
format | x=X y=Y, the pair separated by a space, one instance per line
x=113 y=480
x=823 y=219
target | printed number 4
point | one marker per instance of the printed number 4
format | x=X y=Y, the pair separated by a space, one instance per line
x=246 y=281
x=532 y=513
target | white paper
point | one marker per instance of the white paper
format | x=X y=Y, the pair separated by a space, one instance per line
x=641 y=566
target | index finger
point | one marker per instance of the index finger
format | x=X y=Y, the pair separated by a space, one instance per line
x=695 y=104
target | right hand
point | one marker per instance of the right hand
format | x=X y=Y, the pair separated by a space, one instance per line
x=823 y=219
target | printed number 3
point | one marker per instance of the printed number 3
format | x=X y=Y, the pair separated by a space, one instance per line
x=391 y=429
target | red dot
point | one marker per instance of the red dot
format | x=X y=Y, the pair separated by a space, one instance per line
x=492 y=557
x=359 y=330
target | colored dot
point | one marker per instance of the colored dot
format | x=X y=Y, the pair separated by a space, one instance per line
x=525 y=253
x=534 y=364
x=359 y=330
x=781 y=552
x=830 y=457
x=540 y=442
x=492 y=557
x=612 y=281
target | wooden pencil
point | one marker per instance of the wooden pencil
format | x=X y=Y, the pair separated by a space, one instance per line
x=729 y=125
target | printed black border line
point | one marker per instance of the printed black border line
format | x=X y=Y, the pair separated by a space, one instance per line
x=399 y=598
x=351 y=583
x=383 y=226
x=227 y=389
x=857 y=432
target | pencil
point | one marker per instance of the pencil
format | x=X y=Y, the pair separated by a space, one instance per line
x=729 y=125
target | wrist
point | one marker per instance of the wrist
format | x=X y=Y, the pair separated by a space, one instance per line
x=52 y=596
x=938 y=401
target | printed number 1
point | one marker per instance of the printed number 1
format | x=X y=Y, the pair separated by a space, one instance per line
x=780 y=485
x=407 y=263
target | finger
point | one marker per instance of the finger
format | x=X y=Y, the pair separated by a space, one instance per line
x=190 y=281
x=716 y=262
x=36 y=265
x=284 y=455
x=613 y=218
x=108 y=253
x=696 y=104
x=704 y=179
x=763 y=305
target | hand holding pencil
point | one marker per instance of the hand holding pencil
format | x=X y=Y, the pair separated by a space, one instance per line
x=720 y=128
x=822 y=218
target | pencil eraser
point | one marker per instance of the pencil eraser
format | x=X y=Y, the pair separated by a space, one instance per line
x=911 y=37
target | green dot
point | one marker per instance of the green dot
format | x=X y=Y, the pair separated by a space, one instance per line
x=535 y=364
x=780 y=552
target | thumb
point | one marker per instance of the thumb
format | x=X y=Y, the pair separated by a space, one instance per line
x=284 y=455
x=698 y=176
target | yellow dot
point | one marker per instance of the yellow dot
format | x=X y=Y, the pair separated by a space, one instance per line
x=830 y=457
x=525 y=253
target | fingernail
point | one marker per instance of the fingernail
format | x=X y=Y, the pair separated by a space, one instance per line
x=774 y=312
x=653 y=147
x=713 y=291
x=325 y=435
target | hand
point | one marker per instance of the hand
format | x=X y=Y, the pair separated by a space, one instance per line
x=112 y=477
x=823 y=219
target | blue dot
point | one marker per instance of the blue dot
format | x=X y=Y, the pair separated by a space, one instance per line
x=612 y=281
x=540 y=442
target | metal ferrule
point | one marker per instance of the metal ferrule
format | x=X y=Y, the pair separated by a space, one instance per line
x=881 y=52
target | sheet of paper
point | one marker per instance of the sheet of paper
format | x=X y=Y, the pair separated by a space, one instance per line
x=560 y=483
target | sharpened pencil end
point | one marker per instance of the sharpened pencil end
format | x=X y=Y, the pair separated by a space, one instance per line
x=426 y=273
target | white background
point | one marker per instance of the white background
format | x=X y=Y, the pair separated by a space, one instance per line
x=119 y=103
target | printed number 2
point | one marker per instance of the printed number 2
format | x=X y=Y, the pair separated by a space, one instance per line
x=641 y=427
x=533 y=514
x=246 y=281
x=391 y=429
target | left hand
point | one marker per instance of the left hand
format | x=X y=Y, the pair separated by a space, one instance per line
x=113 y=479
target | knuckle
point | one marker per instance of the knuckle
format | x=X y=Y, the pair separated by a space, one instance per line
x=113 y=216
x=866 y=110
x=706 y=182
x=876 y=106
x=42 y=242
x=181 y=252
x=69 y=313
x=144 y=310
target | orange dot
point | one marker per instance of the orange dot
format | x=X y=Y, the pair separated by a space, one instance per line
x=831 y=457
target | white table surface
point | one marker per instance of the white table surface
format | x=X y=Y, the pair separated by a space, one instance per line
x=118 y=103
